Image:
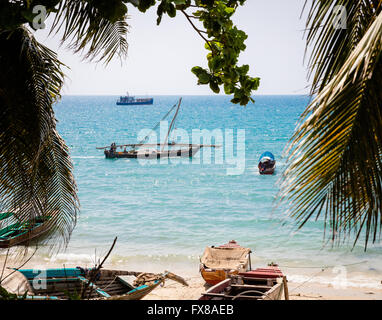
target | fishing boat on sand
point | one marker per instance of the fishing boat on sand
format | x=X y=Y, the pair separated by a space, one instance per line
x=267 y=163
x=73 y=283
x=259 y=284
x=217 y=263
x=165 y=149
x=14 y=232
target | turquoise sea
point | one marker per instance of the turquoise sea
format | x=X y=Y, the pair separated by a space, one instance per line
x=167 y=213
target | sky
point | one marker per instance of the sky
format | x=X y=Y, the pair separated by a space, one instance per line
x=160 y=58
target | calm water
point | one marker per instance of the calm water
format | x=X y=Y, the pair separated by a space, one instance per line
x=170 y=212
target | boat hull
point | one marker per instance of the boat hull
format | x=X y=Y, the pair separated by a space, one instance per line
x=146 y=102
x=25 y=237
x=213 y=277
x=267 y=163
x=216 y=262
x=267 y=171
x=185 y=153
x=61 y=284
x=260 y=284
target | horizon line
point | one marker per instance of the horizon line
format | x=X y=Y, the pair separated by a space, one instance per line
x=190 y=95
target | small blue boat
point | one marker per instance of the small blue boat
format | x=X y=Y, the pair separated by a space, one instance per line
x=130 y=100
x=267 y=163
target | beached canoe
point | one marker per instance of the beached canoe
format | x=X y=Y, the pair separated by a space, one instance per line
x=217 y=263
x=69 y=283
x=259 y=284
x=267 y=163
x=20 y=233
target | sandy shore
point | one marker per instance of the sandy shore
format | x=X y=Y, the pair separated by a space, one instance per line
x=309 y=291
x=302 y=284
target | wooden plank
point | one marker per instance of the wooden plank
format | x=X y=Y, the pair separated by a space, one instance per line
x=257 y=279
x=274 y=293
x=125 y=282
x=92 y=285
x=251 y=286
x=114 y=287
x=50 y=273
x=113 y=273
x=221 y=295
x=117 y=292
x=51 y=280
x=286 y=291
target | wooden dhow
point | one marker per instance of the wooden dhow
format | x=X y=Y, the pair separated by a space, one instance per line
x=148 y=151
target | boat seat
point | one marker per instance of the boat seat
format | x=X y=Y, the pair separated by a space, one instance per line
x=92 y=285
x=7 y=234
x=127 y=280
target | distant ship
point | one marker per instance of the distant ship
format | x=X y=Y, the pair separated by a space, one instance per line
x=131 y=100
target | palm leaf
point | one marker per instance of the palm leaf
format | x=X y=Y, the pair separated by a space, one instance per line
x=335 y=163
x=35 y=170
x=85 y=29
x=332 y=46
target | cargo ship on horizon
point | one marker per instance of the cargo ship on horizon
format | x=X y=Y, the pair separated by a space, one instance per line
x=131 y=100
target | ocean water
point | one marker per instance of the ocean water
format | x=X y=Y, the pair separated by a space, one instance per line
x=167 y=213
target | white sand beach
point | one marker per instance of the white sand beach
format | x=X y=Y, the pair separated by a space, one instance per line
x=303 y=284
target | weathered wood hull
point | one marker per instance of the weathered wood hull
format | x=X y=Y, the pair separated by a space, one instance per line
x=212 y=274
x=24 y=236
x=246 y=288
x=63 y=284
x=213 y=277
x=260 y=284
x=184 y=153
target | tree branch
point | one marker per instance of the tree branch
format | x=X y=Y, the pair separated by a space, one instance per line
x=188 y=17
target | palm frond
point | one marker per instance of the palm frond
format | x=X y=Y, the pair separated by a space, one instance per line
x=335 y=162
x=35 y=170
x=332 y=46
x=86 y=30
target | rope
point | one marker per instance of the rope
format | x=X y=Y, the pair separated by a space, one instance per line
x=148 y=279
x=316 y=274
x=157 y=125
x=323 y=268
x=251 y=291
x=108 y=285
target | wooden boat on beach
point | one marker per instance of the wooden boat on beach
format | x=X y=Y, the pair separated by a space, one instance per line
x=217 y=263
x=19 y=233
x=267 y=163
x=148 y=151
x=259 y=284
x=69 y=283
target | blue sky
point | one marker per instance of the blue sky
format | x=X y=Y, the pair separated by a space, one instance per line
x=160 y=57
